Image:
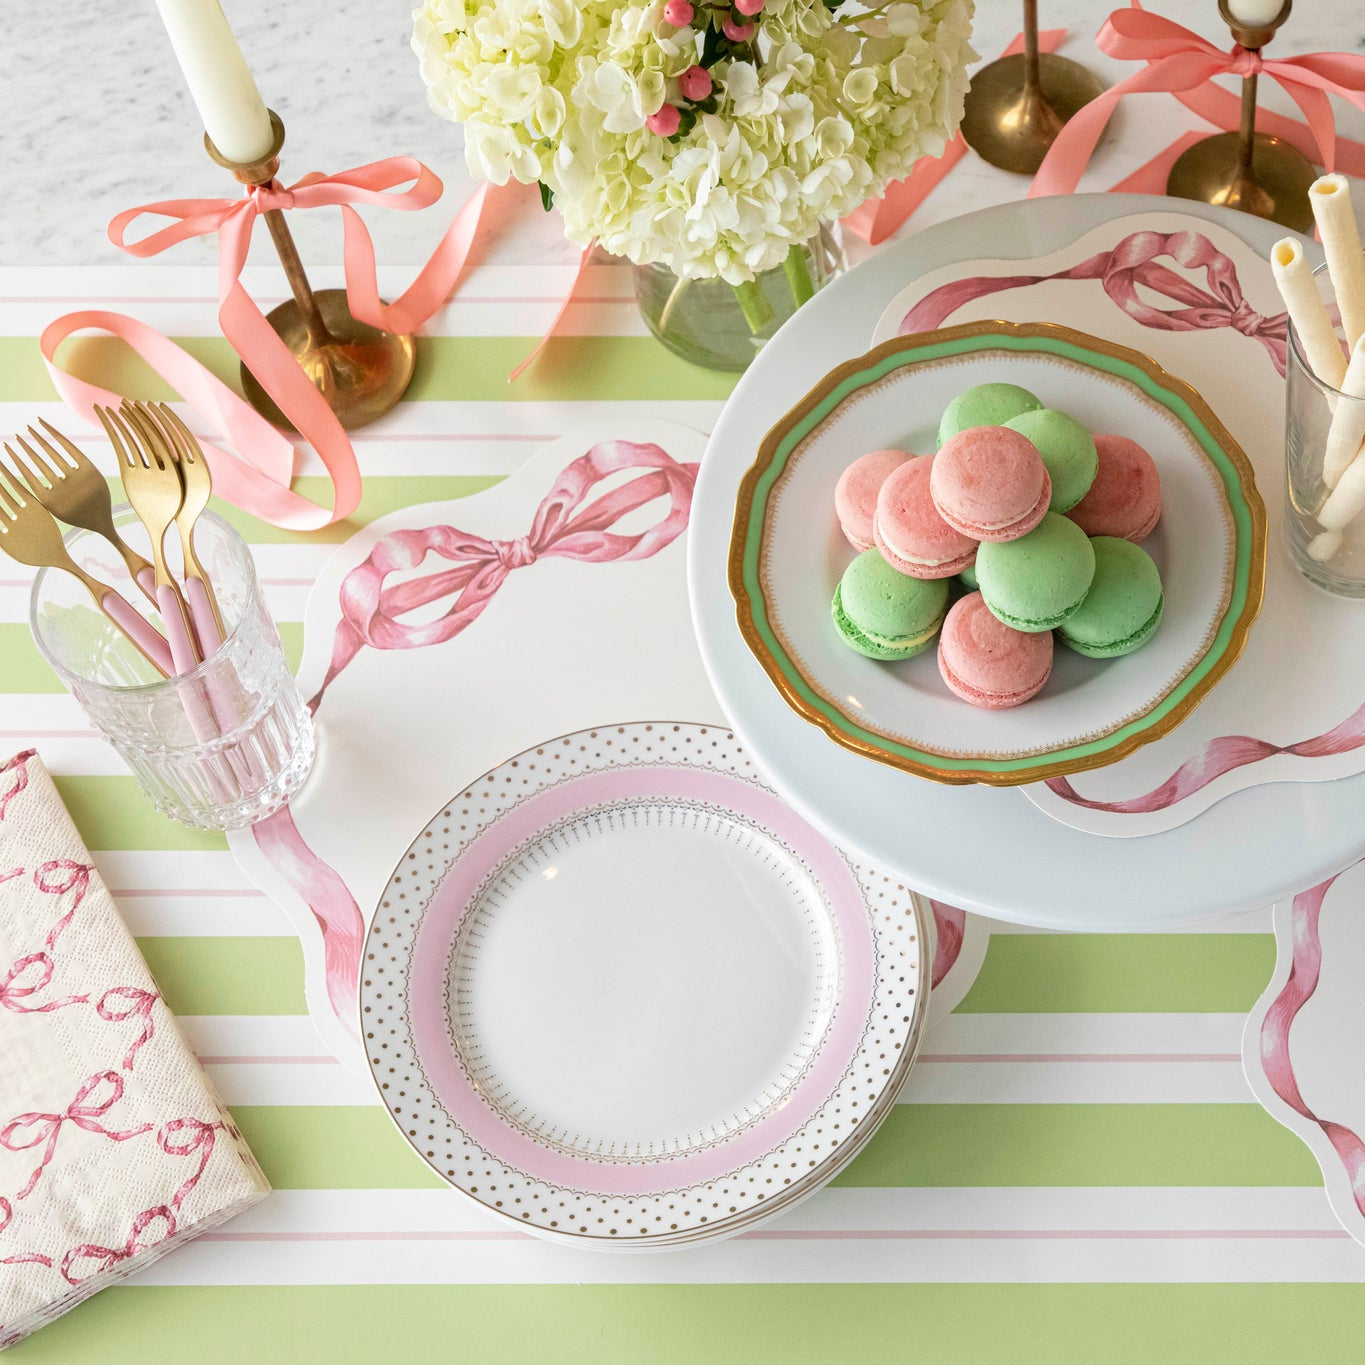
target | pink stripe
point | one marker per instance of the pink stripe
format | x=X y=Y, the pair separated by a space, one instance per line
x=622 y=300
x=845 y=1235
x=1080 y=1057
x=177 y=891
x=49 y=734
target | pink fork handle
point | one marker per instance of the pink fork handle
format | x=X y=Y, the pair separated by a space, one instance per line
x=139 y=630
x=205 y=623
x=172 y=609
x=146 y=580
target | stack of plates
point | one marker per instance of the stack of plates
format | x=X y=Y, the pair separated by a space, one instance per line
x=621 y=995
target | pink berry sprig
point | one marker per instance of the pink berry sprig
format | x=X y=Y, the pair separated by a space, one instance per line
x=696 y=85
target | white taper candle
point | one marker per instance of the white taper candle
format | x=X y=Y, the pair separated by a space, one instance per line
x=221 y=84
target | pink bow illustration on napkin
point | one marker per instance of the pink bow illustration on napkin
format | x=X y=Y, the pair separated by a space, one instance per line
x=108 y=1257
x=21 y=981
x=565 y=526
x=1179 y=60
x=1134 y=262
x=85 y=1111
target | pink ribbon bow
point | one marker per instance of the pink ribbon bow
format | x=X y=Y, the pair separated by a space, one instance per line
x=85 y=1112
x=17 y=770
x=563 y=527
x=1179 y=61
x=1134 y=263
x=14 y=989
x=108 y=1257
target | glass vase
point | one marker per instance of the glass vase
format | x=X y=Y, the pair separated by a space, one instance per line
x=721 y=326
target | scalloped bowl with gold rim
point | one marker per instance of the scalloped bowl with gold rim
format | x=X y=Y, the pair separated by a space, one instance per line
x=787 y=554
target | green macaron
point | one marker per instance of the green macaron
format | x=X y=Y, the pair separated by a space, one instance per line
x=1123 y=607
x=1036 y=582
x=985 y=405
x=884 y=613
x=1068 y=451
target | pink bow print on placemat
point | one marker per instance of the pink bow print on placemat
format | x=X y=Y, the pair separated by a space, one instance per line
x=1132 y=264
x=1275 y=1029
x=566 y=525
x=1180 y=62
x=1218 y=757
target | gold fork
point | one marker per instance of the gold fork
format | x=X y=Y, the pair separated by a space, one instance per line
x=152 y=483
x=29 y=535
x=74 y=491
x=185 y=450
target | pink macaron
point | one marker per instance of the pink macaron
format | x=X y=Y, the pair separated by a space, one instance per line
x=990 y=483
x=988 y=663
x=855 y=495
x=1125 y=499
x=909 y=531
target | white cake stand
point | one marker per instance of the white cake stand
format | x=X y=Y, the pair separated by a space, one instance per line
x=982 y=849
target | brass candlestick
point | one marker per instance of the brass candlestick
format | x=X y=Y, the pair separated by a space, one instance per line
x=1017 y=106
x=359 y=370
x=1247 y=170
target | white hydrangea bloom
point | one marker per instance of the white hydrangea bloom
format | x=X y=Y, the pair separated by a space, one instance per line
x=819 y=112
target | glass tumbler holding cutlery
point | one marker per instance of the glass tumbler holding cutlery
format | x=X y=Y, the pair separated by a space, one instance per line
x=220 y=746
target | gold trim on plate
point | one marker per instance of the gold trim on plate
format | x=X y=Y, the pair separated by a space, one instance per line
x=767 y=453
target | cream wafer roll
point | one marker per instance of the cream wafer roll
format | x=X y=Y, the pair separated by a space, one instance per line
x=1343 y=506
x=1307 y=311
x=1330 y=196
x=1348 y=420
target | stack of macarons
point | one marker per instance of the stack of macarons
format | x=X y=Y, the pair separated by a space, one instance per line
x=1036 y=518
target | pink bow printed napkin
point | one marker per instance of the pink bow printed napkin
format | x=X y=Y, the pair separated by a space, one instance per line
x=114 y=1146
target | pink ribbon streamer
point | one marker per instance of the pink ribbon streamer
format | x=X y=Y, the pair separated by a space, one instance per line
x=58 y=877
x=1179 y=62
x=1218 y=757
x=1133 y=264
x=17 y=770
x=255 y=467
x=14 y=990
x=876 y=219
x=1279 y=1019
x=107 y=1258
x=132 y=1003
x=951 y=924
x=83 y=1112
x=185 y=1137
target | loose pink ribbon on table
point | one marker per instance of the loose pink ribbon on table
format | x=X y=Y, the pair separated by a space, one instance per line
x=1133 y=263
x=255 y=473
x=566 y=526
x=1181 y=63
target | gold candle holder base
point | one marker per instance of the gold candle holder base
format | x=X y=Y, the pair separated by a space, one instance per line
x=360 y=371
x=1213 y=172
x=1254 y=172
x=1016 y=107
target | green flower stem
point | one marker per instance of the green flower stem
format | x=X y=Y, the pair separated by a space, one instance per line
x=798 y=275
x=757 y=310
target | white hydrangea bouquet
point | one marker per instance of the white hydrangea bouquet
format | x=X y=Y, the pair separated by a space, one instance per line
x=713 y=139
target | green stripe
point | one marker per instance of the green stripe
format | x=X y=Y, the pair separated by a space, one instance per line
x=580 y=369
x=113 y=813
x=682 y=1324
x=237 y=975
x=1119 y=973
x=380 y=496
x=357 y=1147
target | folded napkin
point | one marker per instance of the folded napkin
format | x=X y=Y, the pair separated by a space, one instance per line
x=114 y=1146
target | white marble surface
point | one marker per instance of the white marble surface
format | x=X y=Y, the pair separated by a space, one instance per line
x=99 y=118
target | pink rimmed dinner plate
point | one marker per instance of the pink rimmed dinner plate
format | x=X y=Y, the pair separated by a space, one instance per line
x=619 y=993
